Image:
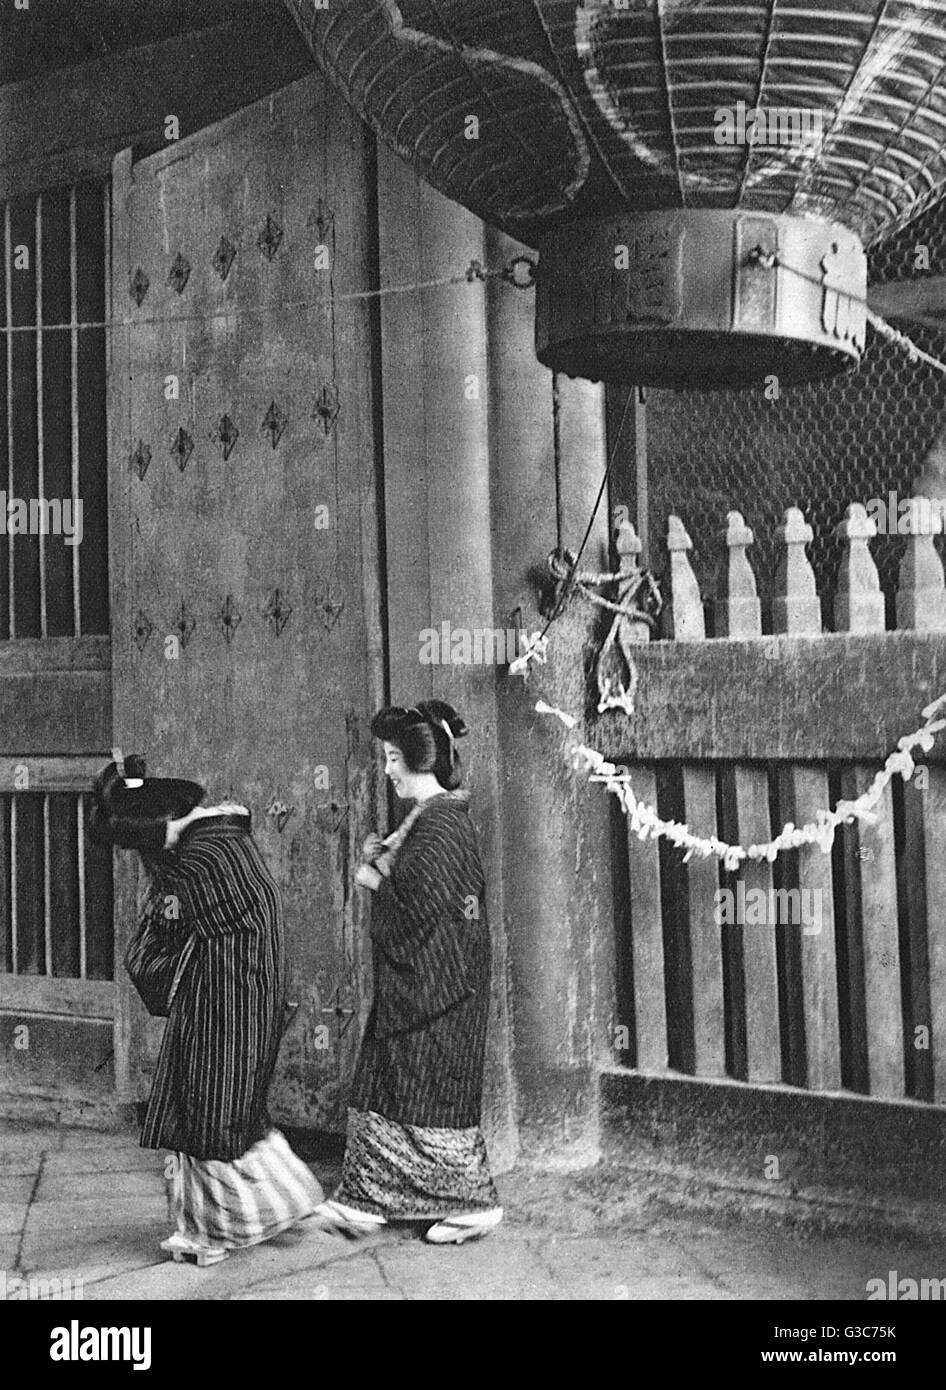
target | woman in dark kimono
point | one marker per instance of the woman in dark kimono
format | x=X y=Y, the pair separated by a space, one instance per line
x=415 y=1150
x=236 y=1182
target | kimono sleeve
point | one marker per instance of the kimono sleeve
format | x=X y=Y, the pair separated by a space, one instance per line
x=155 y=952
x=163 y=910
x=425 y=885
x=159 y=916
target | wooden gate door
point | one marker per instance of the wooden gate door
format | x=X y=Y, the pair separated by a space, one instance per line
x=243 y=526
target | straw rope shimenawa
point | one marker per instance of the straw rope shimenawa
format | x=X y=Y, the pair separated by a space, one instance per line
x=647 y=824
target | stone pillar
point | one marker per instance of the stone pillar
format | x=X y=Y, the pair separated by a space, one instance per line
x=437 y=523
x=548 y=454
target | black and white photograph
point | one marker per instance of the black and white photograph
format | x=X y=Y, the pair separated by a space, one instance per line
x=473 y=666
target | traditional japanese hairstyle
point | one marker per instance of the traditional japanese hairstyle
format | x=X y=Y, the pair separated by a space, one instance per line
x=426 y=734
x=131 y=810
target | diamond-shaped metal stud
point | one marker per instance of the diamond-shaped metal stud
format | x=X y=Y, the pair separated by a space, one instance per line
x=269 y=238
x=181 y=448
x=180 y=271
x=140 y=459
x=327 y=407
x=328 y=606
x=226 y=436
x=223 y=257
x=230 y=619
x=279 y=812
x=143 y=629
x=185 y=624
x=277 y=611
x=139 y=286
x=341 y=1012
x=322 y=219
x=274 y=422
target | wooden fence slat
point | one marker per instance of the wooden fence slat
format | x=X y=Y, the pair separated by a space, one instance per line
x=921 y=604
x=738 y=609
x=874 y=951
x=647 y=941
x=871 y=930
x=687 y=623
x=859 y=599
x=706 y=949
x=934 y=826
x=802 y=792
x=627 y=547
x=643 y=859
x=746 y=796
x=685 y=619
x=921 y=591
x=747 y=820
x=795 y=604
x=925 y=900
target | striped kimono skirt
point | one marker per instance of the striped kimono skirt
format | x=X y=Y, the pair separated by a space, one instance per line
x=414 y=1149
x=234 y=1179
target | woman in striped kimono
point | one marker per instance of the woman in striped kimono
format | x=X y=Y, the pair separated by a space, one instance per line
x=235 y=1181
x=415 y=1151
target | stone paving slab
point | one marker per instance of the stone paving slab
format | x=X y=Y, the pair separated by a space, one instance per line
x=346 y=1280
x=14 y=1165
x=499 y=1266
x=121 y=1279
x=12 y=1216
x=603 y=1267
x=15 y=1190
x=302 y=1258
x=79 y=1136
x=155 y=1282
x=94 y=1252
x=744 y=1271
x=72 y=1217
x=90 y=1160
x=33 y=1139
x=9 y=1248
x=107 y=1186
x=831 y=1267
x=675 y=1290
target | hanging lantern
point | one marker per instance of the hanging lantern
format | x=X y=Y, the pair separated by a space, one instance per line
x=700 y=177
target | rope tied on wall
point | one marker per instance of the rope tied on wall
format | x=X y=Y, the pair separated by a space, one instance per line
x=562 y=564
x=638 y=601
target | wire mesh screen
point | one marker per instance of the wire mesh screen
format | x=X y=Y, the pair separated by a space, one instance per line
x=817 y=446
x=898 y=258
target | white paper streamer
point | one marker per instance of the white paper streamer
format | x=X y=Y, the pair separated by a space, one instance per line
x=646 y=824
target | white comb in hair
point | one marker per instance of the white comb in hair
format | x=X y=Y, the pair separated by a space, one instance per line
x=119 y=761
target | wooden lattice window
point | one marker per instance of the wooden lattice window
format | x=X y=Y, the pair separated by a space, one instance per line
x=53 y=284
x=55 y=889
